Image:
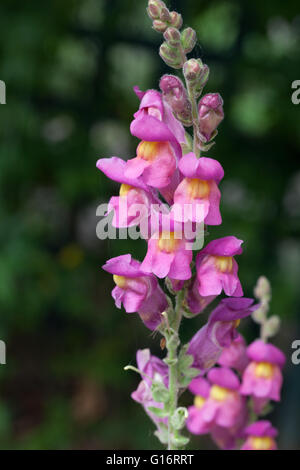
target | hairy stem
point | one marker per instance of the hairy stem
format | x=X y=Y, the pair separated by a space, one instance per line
x=172 y=345
x=193 y=100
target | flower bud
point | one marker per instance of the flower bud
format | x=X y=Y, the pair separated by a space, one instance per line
x=176 y=19
x=175 y=95
x=179 y=417
x=154 y=9
x=170 y=55
x=262 y=289
x=188 y=39
x=172 y=36
x=210 y=114
x=192 y=69
x=165 y=15
x=271 y=327
x=159 y=26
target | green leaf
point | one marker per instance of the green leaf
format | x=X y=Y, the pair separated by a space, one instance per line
x=185 y=362
x=160 y=412
x=162 y=433
x=192 y=372
x=180 y=441
x=159 y=392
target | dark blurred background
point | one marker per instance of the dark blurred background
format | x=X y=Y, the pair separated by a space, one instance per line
x=69 y=68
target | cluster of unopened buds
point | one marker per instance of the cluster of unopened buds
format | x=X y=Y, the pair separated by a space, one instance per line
x=176 y=192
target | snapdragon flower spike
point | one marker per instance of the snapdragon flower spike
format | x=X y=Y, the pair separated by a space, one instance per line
x=260 y=436
x=152 y=369
x=224 y=405
x=195 y=423
x=219 y=332
x=262 y=378
x=134 y=193
x=235 y=355
x=160 y=150
x=217 y=269
x=211 y=114
x=136 y=290
x=168 y=253
x=197 y=197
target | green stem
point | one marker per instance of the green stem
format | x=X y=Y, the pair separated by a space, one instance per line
x=172 y=345
x=193 y=100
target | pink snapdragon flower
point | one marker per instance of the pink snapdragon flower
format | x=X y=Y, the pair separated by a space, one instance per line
x=135 y=197
x=260 y=436
x=136 y=290
x=262 y=378
x=220 y=331
x=169 y=253
x=159 y=151
x=227 y=437
x=210 y=114
x=152 y=369
x=235 y=355
x=196 y=302
x=217 y=269
x=224 y=405
x=195 y=423
x=197 y=197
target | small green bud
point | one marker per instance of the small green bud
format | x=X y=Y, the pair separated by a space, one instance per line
x=188 y=39
x=262 y=289
x=170 y=55
x=176 y=19
x=172 y=36
x=159 y=26
x=179 y=417
x=259 y=315
x=271 y=327
x=154 y=9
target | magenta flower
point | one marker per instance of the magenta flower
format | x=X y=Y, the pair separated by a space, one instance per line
x=160 y=150
x=174 y=93
x=197 y=197
x=155 y=163
x=227 y=437
x=168 y=253
x=134 y=194
x=224 y=405
x=210 y=114
x=195 y=302
x=217 y=269
x=260 y=436
x=219 y=332
x=152 y=369
x=262 y=378
x=235 y=355
x=195 y=422
x=136 y=290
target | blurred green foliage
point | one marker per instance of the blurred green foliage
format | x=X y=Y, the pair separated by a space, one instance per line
x=69 y=67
